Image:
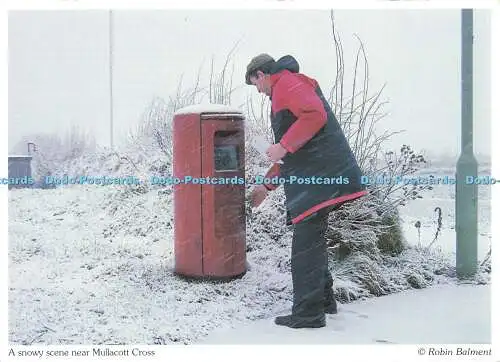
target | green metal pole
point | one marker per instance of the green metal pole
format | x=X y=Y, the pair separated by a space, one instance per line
x=111 y=106
x=466 y=193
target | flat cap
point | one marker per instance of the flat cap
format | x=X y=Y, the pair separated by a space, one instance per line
x=256 y=63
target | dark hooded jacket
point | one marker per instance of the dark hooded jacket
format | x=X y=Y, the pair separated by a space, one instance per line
x=320 y=169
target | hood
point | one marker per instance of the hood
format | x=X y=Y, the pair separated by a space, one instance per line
x=286 y=62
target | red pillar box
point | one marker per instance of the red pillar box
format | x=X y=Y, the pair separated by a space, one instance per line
x=209 y=201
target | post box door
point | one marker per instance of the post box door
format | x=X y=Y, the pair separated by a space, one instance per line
x=223 y=207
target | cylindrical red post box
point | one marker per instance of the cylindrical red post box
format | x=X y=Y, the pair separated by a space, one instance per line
x=209 y=192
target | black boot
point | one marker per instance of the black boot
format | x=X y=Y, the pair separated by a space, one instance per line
x=330 y=303
x=330 y=306
x=294 y=322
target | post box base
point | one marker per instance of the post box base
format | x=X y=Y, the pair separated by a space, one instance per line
x=209 y=278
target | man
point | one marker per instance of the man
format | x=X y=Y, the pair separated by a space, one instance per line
x=314 y=150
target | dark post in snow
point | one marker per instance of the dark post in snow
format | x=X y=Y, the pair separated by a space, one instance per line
x=111 y=77
x=31 y=148
x=466 y=193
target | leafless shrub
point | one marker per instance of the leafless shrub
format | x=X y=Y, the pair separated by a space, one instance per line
x=356 y=109
x=220 y=87
x=394 y=181
x=365 y=224
x=154 y=130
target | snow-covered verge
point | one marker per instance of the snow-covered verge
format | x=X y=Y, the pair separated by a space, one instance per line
x=446 y=314
x=94 y=264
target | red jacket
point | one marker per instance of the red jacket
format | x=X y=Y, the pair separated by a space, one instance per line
x=318 y=155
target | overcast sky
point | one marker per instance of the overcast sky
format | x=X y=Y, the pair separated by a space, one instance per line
x=58 y=64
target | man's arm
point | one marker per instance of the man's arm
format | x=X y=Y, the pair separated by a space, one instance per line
x=298 y=94
x=260 y=192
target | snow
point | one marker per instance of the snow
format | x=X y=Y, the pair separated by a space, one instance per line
x=208 y=108
x=20 y=156
x=443 y=196
x=450 y=314
x=94 y=265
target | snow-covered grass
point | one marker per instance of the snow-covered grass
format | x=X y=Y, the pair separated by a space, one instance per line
x=443 y=196
x=94 y=264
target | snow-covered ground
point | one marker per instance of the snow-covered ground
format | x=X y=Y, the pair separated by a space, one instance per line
x=442 y=314
x=450 y=314
x=443 y=196
x=93 y=264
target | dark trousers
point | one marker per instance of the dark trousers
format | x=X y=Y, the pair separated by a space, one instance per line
x=312 y=282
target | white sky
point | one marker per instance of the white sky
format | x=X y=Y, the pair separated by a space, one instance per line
x=58 y=64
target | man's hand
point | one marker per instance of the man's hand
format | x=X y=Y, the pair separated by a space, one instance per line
x=259 y=194
x=276 y=152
